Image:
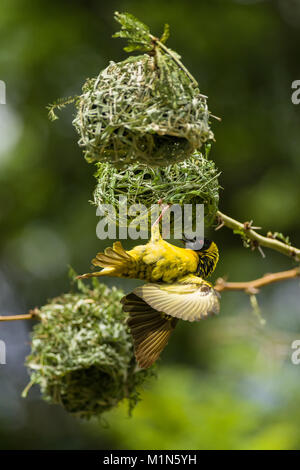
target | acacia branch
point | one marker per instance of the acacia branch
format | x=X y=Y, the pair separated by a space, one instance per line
x=252 y=287
x=26 y=316
x=258 y=239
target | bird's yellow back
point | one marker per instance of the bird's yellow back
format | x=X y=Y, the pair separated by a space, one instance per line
x=161 y=261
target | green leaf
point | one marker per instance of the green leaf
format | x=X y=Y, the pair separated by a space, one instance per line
x=136 y=33
x=281 y=237
x=166 y=34
x=58 y=105
x=246 y=241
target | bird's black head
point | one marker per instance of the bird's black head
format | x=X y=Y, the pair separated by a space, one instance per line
x=197 y=243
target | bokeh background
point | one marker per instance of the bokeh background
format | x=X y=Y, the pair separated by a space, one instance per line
x=227 y=383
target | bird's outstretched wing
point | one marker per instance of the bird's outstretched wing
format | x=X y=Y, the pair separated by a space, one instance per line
x=191 y=299
x=150 y=329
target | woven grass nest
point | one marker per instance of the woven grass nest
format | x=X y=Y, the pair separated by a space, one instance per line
x=194 y=181
x=146 y=109
x=82 y=355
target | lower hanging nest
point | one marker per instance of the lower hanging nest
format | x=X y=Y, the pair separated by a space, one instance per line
x=194 y=181
x=82 y=355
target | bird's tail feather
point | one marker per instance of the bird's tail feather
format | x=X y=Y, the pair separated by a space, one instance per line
x=150 y=329
x=113 y=261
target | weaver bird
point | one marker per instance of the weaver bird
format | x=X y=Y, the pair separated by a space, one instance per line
x=175 y=289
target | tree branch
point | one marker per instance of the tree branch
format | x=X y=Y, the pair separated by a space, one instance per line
x=267 y=241
x=252 y=287
x=26 y=316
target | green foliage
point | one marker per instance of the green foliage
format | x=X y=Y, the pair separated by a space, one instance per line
x=59 y=105
x=194 y=181
x=166 y=34
x=82 y=354
x=246 y=240
x=136 y=32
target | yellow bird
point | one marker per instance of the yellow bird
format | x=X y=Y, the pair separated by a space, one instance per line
x=175 y=289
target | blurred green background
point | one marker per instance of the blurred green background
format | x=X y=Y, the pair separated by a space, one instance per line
x=227 y=383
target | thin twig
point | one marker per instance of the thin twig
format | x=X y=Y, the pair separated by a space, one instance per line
x=180 y=65
x=250 y=233
x=26 y=316
x=252 y=287
x=176 y=60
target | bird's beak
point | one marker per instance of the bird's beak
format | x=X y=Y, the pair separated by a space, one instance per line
x=196 y=245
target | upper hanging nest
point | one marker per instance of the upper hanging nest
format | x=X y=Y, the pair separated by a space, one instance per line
x=82 y=354
x=146 y=109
